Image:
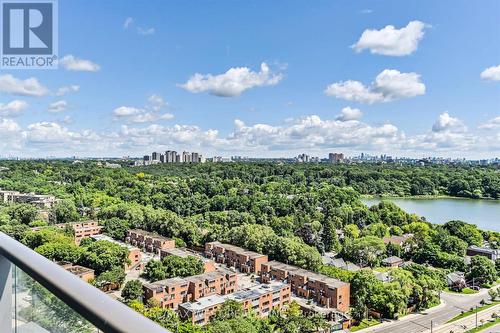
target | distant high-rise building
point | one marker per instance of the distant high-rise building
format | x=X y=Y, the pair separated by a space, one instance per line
x=171 y=156
x=186 y=157
x=335 y=157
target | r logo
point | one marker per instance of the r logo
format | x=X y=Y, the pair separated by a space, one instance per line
x=27 y=28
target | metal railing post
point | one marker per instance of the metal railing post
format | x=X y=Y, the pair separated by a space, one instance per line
x=5 y=295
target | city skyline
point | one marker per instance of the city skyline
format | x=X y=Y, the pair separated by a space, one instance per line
x=379 y=78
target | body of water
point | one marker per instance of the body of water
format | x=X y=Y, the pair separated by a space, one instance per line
x=483 y=213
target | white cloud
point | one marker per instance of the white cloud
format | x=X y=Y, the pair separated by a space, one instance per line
x=305 y=134
x=58 y=106
x=13 y=108
x=156 y=102
x=67 y=89
x=233 y=82
x=389 y=85
x=366 y=11
x=348 y=113
x=145 y=31
x=446 y=123
x=128 y=22
x=8 y=126
x=15 y=86
x=126 y=111
x=310 y=132
x=491 y=73
x=71 y=63
x=150 y=113
x=391 y=41
x=491 y=124
x=151 y=117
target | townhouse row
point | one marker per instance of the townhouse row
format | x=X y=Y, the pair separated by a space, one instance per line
x=148 y=241
x=171 y=292
x=81 y=229
x=326 y=291
x=260 y=299
x=233 y=256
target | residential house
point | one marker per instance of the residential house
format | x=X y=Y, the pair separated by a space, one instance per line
x=234 y=256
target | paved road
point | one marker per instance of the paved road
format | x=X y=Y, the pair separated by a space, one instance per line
x=467 y=323
x=452 y=305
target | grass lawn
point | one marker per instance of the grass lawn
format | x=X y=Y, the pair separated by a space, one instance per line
x=485 y=326
x=468 y=313
x=365 y=323
x=465 y=291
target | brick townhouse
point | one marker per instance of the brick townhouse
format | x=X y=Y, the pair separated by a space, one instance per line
x=84 y=229
x=261 y=299
x=234 y=256
x=171 y=292
x=324 y=290
x=148 y=241
x=80 y=229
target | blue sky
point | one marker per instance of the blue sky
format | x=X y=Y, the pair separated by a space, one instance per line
x=276 y=78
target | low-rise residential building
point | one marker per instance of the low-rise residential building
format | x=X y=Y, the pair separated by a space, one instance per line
x=171 y=292
x=392 y=261
x=261 y=299
x=168 y=293
x=84 y=229
x=234 y=256
x=148 y=241
x=492 y=254
x=324 y=290
x=84 y=273
x=80 y=229
x=340 y=263
x=456 y=280
x=397 y=240
x=134 y=253
x=208 y=265
x=38 y=200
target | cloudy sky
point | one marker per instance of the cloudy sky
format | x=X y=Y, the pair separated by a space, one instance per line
x=262 y=78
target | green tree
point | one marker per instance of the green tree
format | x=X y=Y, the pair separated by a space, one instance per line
x=174 y=266
x=132 y=290
x=104 y=255
x=329 y=236
x=230 y=309
x=23 y=213
x=482 y=270
x=464 y=231
x=154 y=271
x=364 y=251
x=65 y=211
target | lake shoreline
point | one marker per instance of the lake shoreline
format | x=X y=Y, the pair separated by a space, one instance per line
x=422 y=197
x=439 y=210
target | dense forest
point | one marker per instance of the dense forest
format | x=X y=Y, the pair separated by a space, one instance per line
x=289 y=211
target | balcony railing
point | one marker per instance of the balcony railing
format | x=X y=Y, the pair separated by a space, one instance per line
x=43 y=297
